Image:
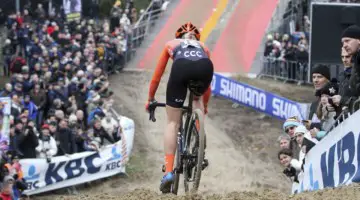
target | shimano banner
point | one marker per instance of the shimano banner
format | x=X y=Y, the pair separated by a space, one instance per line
x=64 y=171
x=258 y=99
x=335 y=160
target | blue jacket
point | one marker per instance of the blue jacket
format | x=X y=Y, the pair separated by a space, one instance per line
x=96 y=111
x=32 y=109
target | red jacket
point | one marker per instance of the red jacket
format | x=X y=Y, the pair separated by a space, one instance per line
x=19 y=20
x=50 y=30
x=5 y=196
x=16 y=65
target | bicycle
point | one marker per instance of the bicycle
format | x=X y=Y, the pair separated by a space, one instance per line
x=188 y=160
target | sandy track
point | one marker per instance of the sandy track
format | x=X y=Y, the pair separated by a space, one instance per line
x=241 y=150
x=241 y=156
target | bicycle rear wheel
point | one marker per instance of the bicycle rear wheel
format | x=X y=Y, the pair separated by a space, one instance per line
x=194 y=146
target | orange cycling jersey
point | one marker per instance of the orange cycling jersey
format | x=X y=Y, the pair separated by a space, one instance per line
x=167 y=53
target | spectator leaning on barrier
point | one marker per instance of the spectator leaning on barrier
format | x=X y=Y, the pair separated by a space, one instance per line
x=47 y=147
x=289 y=127
x=292 y=166
x=344 y=96
x=284 y=141
x=300 y=131
x=304 y=140
x=351 y=43
x=316 y=131
x=327 y=109
x=320 y=77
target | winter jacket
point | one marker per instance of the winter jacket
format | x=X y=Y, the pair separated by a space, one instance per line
x=32 y=109
x=47 y=147
x=66 y=141
x=101 y=133
x=39 y=99
x=344 y=87
x=4 y=196
x=16 y=64
x=28 y=145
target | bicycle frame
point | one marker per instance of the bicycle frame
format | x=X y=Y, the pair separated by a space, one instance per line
x=182 y=138
x=182 y=130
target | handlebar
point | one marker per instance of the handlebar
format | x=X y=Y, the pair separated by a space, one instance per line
x=152 y=107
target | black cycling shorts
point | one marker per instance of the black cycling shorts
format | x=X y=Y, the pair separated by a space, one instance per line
x=183 y=71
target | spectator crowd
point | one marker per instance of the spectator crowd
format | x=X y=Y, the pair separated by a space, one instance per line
x=59 y=88
x=336 y=99
x=286 y=55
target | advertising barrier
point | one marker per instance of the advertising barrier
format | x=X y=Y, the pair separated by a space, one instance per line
x=335 y=160
x=69 y=170
x=258 y=99
x=5 y=112
x=72 y=9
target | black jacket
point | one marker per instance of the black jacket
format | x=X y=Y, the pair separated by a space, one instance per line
x=103 y=135
x=27 y=142
x=344 y=87
x=66 y=139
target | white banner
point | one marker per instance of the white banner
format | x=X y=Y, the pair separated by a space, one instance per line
x=72 y=6
x=72 y=9
x=5 y=112
x=5 y=105
x=64 y=171
x=335 y=160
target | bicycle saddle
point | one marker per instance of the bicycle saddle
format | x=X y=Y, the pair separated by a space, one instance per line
x=195 y=87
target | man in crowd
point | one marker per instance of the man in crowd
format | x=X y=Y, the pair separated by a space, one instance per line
x=351 y=44
x=320 y=77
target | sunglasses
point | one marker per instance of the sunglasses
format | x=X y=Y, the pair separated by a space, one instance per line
x=289 y=129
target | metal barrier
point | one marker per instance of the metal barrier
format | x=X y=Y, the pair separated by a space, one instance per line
x=355 y=106
x=142 y=28
x=342 y=117
x=287 y=71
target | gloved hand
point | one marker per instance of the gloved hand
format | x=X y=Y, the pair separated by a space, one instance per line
x=148 y=103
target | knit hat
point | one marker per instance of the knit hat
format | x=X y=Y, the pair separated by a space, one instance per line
x=300 y=129
x=292 y=121
x=352 y=31
x=45 y=126
x=331 y=88
x=323 y=70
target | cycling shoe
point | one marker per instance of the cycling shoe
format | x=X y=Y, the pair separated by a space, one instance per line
x=166 y=182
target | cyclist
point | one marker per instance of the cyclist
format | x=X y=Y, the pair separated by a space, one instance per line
x=191 y=62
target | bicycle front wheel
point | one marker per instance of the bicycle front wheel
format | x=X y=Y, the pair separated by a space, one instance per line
x=194 y=148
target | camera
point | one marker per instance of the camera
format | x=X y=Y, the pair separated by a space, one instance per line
x=290 y=172
x=330 y=101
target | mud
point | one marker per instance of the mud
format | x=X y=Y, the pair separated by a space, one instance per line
x=343 y=193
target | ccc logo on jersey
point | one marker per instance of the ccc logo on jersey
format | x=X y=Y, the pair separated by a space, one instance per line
x=191 y=53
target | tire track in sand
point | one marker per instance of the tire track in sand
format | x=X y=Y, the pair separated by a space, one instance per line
x=229 y=170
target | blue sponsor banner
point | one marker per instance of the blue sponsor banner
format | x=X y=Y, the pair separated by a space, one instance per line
x=335 y=160
x=258 y=99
